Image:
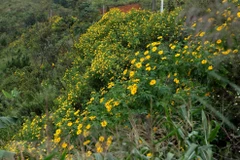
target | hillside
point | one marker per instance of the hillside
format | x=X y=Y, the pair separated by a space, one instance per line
x=136 y=85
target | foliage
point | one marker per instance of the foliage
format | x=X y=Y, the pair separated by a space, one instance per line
x=143 y=85
x=32 y=64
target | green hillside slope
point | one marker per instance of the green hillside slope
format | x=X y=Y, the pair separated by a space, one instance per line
x=139 y=85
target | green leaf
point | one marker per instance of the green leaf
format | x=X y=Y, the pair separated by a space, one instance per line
x=109 y=156
x=213 y=133
x=7 y=121
x=190 y=152
x=204 y=123
x=225 y=81
x=217 y=113
x=14 y=93
x=49 y=157
x=7 y=95
x=185 y=115
x=98 y=156
x=179 y=130
x=7 y=155
x=63 y=155
x=170 y=156
x=167 y=136
x=205 y=151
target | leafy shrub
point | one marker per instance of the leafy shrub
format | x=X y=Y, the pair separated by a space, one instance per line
x=145 y=85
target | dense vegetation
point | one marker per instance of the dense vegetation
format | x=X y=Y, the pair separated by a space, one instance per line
x=137 y=85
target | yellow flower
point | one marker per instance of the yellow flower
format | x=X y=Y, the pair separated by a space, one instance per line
x=219 y=28
x=101 y=100
x=116 y=103
x=164 y=58
x=89 y=153
x=133 y=89
x=238 y=14
x=110 y=85
x=86 y=142
x=160 y=52
x=104 y=123
x=155 y=43
x=125 y=72
x=219 y=41
x=173 y=47
x=92 y=117
x=149 y=155
x=155 y=129
x=76 y=113
x=202 y=34
x=80 y=126
x=133 y=61
x=148 y=69
x=109 y=141
x=207 y=94
x=79 y=131
x=194 y=53
x=101 y=139
x=146 y=52
x=58 y=131
x=210 y=68
x=138 y=65
x=148 y=57
x=64 y=145
x=152 y=82
x=71 y=147
x=131 y=74
x=169 y=75
x=108 y=106
x=235 y=51
x=69 y=124
x=86 y=133
x=176 y=80
x=98 y=144
x=226 y=52
x=177 y=55
x=154 y=49
x=99 y=149
x=137 y=53
x=57 y=140
x=88 y=126
x=204 y=61
x=142 y=59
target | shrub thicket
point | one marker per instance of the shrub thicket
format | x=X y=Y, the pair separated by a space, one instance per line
x=146 y=85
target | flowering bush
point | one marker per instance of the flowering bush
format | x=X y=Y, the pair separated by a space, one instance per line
x=154 y=68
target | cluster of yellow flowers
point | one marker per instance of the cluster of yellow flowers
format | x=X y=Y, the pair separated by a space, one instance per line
x=111 y=103
x=133 y=89
x=57 y=137
x=159 y=64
